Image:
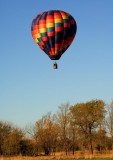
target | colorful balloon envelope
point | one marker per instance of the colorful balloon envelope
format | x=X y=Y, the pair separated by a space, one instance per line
x=53 y=31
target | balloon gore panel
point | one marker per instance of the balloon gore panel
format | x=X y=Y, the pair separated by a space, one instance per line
x=53 y=31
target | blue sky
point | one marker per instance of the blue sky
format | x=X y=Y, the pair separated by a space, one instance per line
x=29 y=87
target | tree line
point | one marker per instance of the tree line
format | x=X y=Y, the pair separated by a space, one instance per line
x=83 y=126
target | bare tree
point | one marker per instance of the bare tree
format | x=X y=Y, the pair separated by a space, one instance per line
x=63 y=123
x=110 y=121
x=46 y=133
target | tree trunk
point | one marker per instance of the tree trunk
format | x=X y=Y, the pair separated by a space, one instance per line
x=91 y=146
x=66 y=150
x=73 y=149
x=90 y=136
x=46 y=151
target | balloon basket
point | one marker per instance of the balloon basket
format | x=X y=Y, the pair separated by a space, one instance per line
x=55 y=66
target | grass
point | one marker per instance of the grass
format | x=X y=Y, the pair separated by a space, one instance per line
x=79 y=155
x=48 y=158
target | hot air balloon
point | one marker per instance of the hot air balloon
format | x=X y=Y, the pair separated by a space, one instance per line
x=53 y=31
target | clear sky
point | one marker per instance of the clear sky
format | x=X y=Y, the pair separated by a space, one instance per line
x=29 y=87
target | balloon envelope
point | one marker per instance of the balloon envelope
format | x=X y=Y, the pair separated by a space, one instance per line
x=53 y=31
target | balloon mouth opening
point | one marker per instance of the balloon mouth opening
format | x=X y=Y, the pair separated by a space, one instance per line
x=54 y=57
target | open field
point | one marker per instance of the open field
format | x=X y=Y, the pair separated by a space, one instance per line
x=61 y=156
x=48 y=158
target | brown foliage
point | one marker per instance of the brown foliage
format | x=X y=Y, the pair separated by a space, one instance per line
x=72 y=130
